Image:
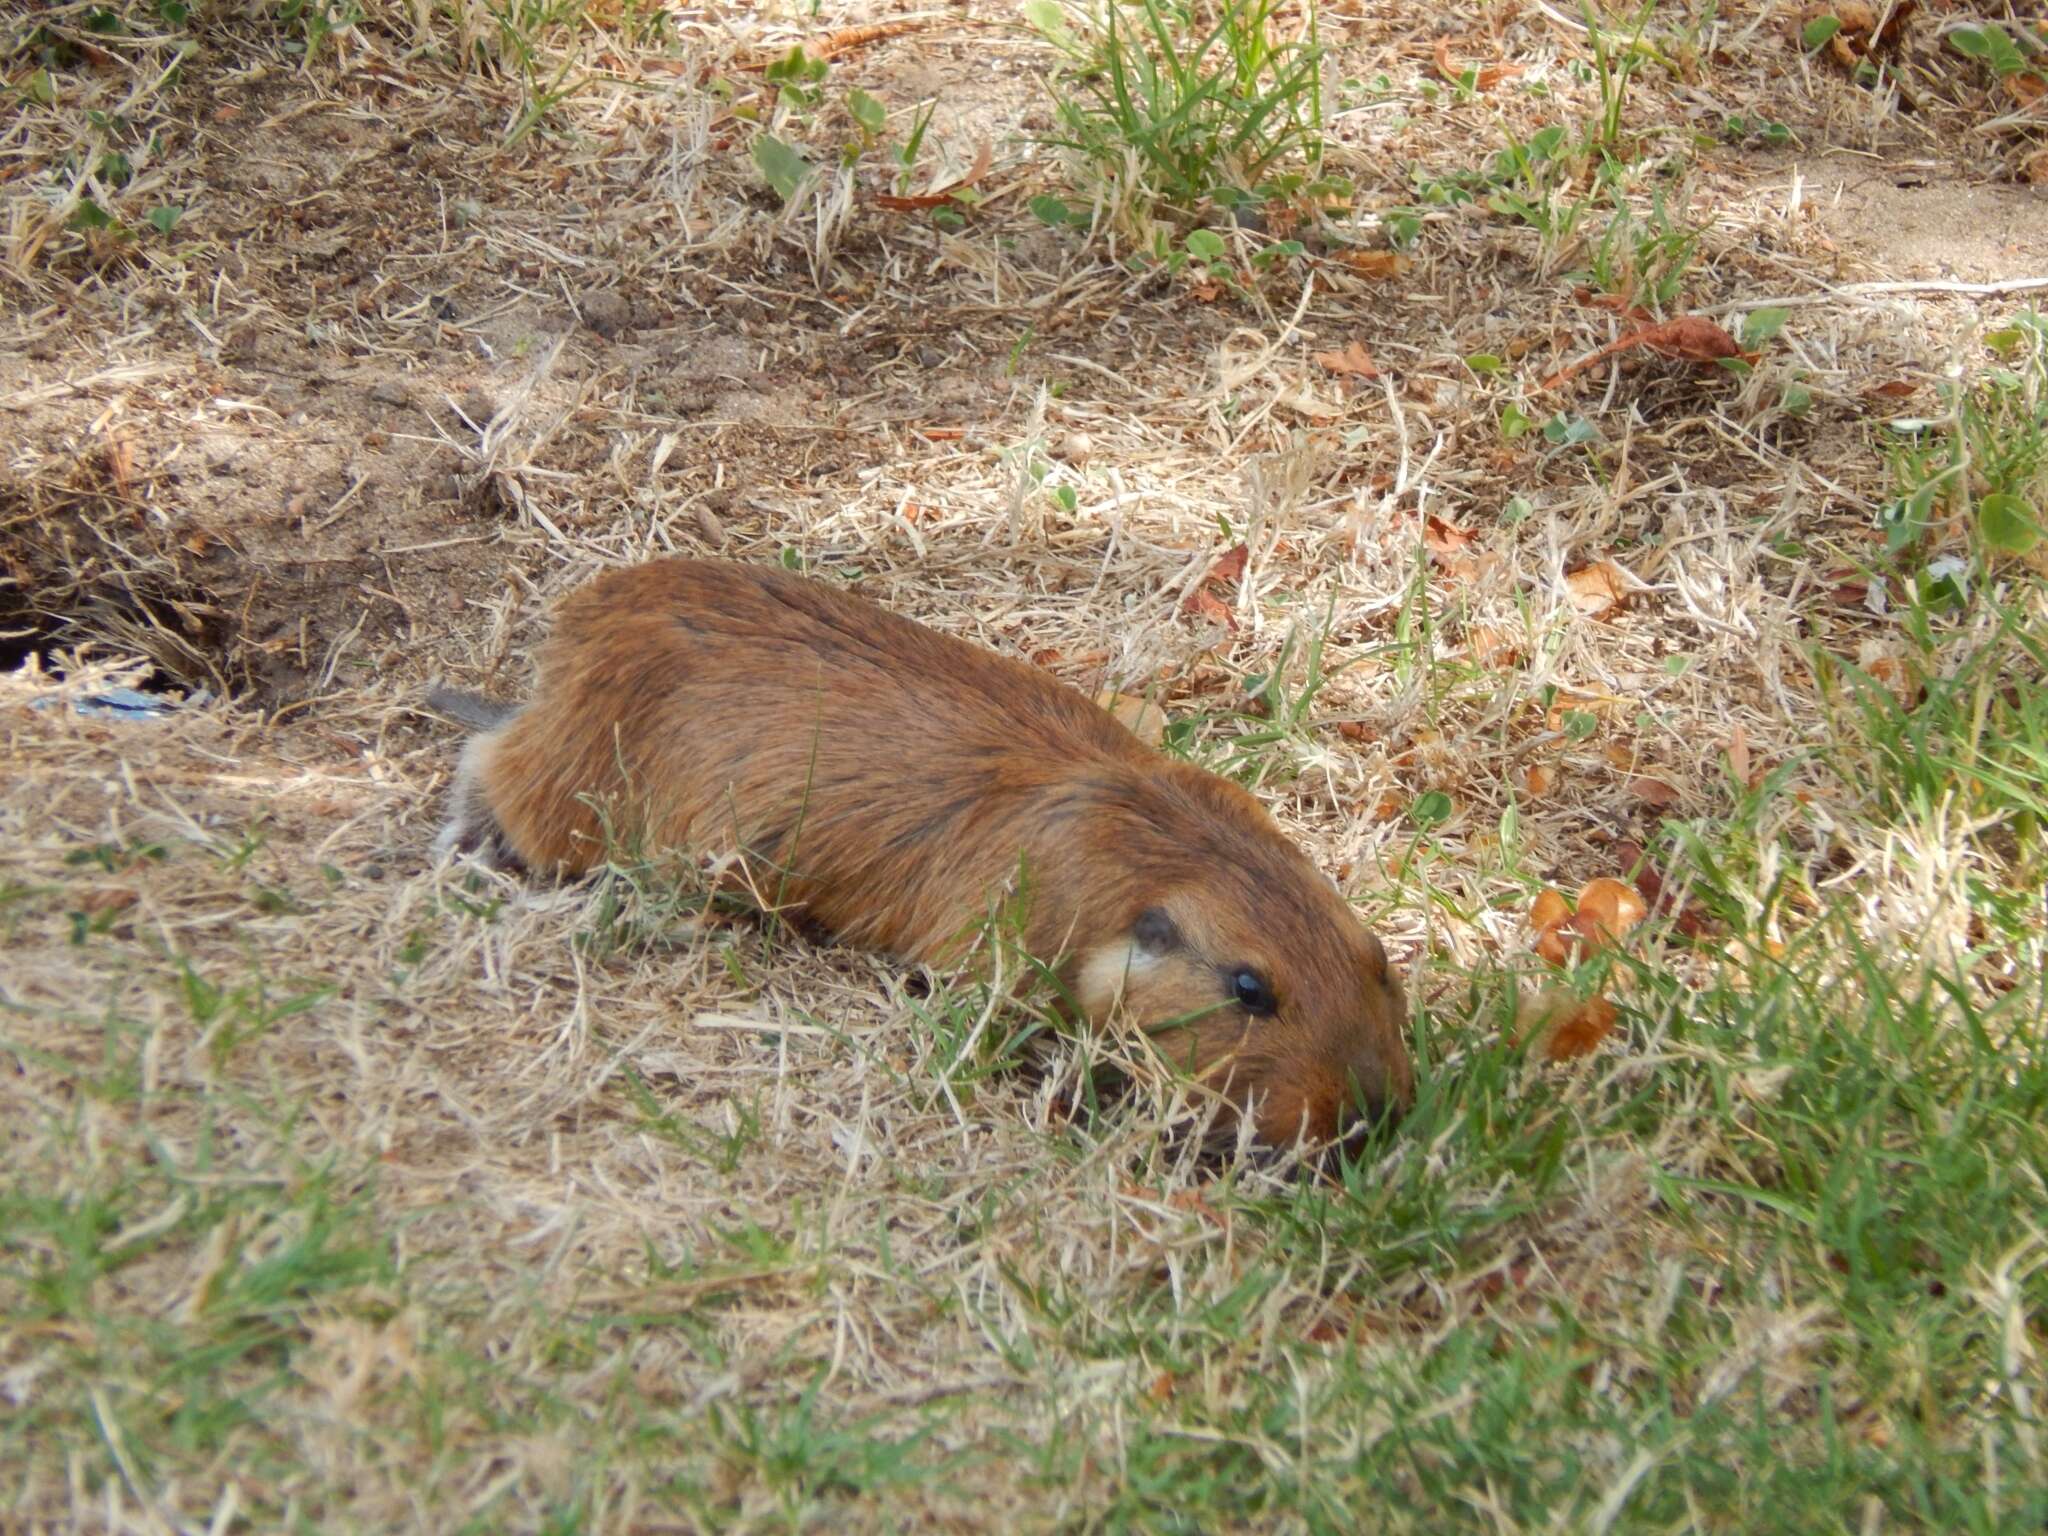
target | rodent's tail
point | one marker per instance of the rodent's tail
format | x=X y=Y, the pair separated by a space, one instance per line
x=470 y=709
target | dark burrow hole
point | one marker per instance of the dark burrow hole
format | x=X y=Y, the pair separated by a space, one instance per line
x=83 y=577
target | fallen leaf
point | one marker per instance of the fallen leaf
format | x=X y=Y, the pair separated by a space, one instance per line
x=1738 y=753
x=1539 y=781
x=1047 y=657
x=845 y=40
x=1615 y=302
x=1374 y=264
x=1894 y=24
x=1205 y=604
x=1559 y=946
x=1140 y=716
x=1599 y=590
x=1230 y=565
x=1304 y=401
x=1443 y=538
x=1484 y=78
x=1655 y=793
x=120 y=461
x=1689 y=338
x=1608 y=909
x=1491 y=647
x=2024 y=88
x=2035 y=167
x=1689 y=918
x=1354 y=361
x=1565 y=1025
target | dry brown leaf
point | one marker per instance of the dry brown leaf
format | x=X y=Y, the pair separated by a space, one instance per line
x=1140 y=716
x=1657 y=794
x=1608 y=909
x=1689 y=338
x=1599 y=590
x=1738 y=753
x=1539 y=781
x=1374 y=264
x=1354 y=361
x=1690 y=919
x=1615 y=302
x=120 y=461
x=1560 y=946
x=1230 y=565
x=2024 y=88
x=1444 y=538
x=1484 y=77
x=1565 y=1025
x=2035 y=168
x=1491 y=647
x=1550 y=910
x=1205 y=604
x=845 y=40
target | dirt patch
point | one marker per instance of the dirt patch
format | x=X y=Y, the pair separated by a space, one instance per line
x=1924 y=221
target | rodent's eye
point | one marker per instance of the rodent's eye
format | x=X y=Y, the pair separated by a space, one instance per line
x=1253 y=993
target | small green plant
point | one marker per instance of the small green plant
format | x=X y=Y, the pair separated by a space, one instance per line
x=1536 y=181
x=1990 y=44
x=1643 y=260
x=1618 y=52
x=1743 y=129
x=318 y=21
x=798 y=78
x=1168 y=113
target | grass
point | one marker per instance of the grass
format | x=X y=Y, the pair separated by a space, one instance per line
x=1168 y=106
x=344 y=1191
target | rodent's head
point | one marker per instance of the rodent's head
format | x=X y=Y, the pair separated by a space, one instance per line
x=1249 y=969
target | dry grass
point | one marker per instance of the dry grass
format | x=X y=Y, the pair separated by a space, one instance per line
x=351 y=1191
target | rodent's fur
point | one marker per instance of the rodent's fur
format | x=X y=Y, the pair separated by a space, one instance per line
x=888 y=780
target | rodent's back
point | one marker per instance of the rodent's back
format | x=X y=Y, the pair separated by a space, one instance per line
x=733 y=706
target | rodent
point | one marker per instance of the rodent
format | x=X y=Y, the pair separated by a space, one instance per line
x=887 y=780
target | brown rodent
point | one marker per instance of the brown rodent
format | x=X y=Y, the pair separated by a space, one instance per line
x=889 y=779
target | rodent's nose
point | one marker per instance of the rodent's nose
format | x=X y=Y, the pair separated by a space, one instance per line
x=1380 y=1090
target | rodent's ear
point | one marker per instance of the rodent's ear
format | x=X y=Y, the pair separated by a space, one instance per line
x=1155 y=932
x=1377 y=953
